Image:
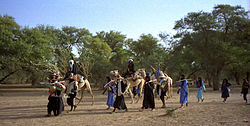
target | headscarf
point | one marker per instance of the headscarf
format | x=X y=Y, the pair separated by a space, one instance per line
x=71 y=61
x=200 y=81
x=182 y=78
x=130 y=60
x=71 y=64
x=225 y=80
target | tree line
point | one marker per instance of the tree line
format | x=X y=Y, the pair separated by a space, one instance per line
x=213 y=45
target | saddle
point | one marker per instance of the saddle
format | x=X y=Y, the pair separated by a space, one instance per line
x=79 y=78
x=165 y=87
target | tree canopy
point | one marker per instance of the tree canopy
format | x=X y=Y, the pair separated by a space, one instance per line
x=213 y=45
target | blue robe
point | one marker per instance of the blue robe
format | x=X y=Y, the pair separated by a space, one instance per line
x=183 y=92
x=111 y=99
x=201 y=88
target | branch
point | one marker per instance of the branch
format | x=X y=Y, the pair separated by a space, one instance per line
x=8 y=75
x=193 y=72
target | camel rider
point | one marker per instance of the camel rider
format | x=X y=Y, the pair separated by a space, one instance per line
x=72 y=69
x=131 y=68
x=130 y=73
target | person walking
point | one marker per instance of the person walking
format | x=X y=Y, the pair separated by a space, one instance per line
x=244 y=90
x=148 y=100
x=225 y=90
x=183 y=90
x=200 y=88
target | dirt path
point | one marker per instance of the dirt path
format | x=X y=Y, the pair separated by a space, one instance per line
x=27 y=107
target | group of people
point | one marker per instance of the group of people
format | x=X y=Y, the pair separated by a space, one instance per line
x=56 y=105
x=225 y=90
x=148 y=101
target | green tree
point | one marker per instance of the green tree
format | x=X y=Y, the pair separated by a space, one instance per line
x=210 y=40
x=148 y=52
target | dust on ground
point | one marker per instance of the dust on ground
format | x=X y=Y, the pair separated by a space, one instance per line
x=28 y=106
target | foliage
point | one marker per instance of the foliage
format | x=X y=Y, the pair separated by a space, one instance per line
x=213 y=45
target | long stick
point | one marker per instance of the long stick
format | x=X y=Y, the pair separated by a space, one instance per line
x=184 y=79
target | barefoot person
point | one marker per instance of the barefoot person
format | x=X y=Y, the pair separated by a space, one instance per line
x=148 y=101
x=200 y=88
x=183 y=89
x=119 y=100
x=224 y=90
x=244 y=89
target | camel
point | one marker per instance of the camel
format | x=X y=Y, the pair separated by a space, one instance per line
x=82 y=85
x=166 y=80
x=137 y=79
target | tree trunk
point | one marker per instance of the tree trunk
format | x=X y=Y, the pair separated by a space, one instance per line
x=209 y=79
x=35 y=78
x=215 y=83
x=247 y=76
x=216 y=80
x=237 y=78
x=209 y=82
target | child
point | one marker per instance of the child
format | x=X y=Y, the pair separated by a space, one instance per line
x=183 y=89
x=119 y=100
x=72 y=95
x=244 y=90
x=111 y=91
x=148 y=101
x=201 y=87
x=224 y=90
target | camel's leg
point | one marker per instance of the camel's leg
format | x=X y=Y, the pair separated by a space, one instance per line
x=172 y=89
x=155 y=91
x=91 y=93
x=140 y=95
x=169 y=93
x=131 y=95
x=82 y=91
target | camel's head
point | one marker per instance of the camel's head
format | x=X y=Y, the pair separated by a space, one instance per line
x=141 y=72
x=157 y=74
x=114 y=73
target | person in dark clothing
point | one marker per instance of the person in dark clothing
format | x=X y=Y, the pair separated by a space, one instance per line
x=119 y=100
x=244 y=89
x=131 y=68
x=130 y=72
x=224 y=90
x=73 y=70
x=148 y=101
x=55 y=102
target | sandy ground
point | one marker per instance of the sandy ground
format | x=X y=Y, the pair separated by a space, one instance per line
x=28 y=106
